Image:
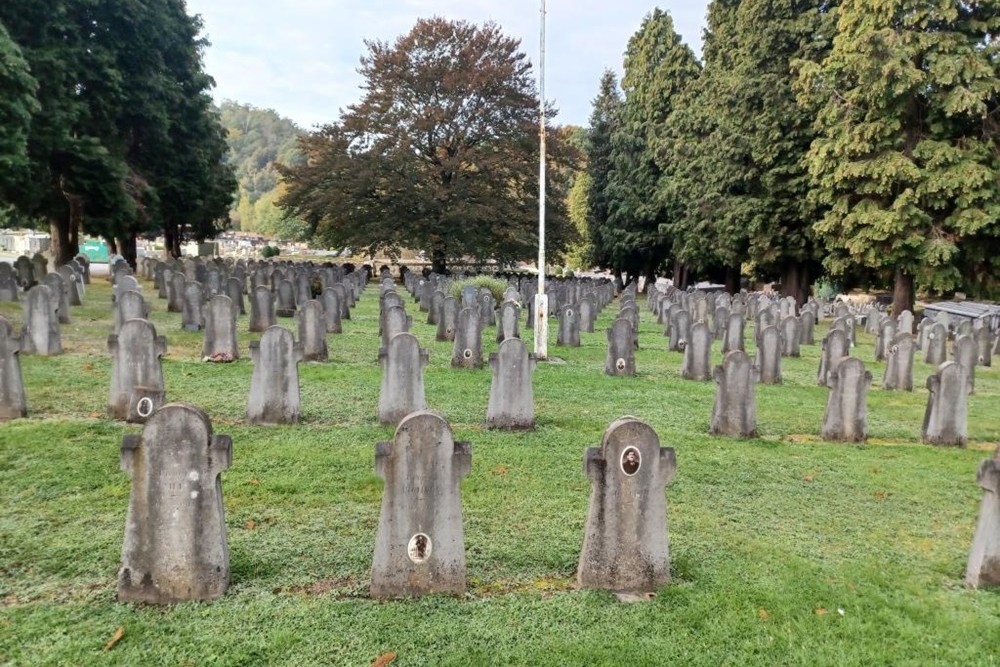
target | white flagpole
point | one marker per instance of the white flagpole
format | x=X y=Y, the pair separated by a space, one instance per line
x=541 y=299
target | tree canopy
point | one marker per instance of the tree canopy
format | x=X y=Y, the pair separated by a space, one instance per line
x=440 y=154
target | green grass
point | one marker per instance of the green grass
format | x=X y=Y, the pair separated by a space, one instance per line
x=770 y=538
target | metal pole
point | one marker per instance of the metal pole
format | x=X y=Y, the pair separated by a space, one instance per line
x=541 y=299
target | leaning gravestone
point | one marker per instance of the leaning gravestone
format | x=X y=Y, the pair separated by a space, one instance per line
x=983 y=568
x=403 y=364
x=13 y=404
x=735 y=410
x=274 y=387
x=175 y=547
x=846 y=417
x=220 y=344
x=512 y=401
x=420 y=545
x=137 y=386
x=946 y=415
x=620 y=359
x=899 y=363
x=40 y=332
x=625 y=544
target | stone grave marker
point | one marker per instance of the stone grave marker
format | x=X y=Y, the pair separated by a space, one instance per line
x=735 y=410
x=468 y=349
x=899 y=363
x=791 y=335
x=966 y=352
x=9 y=289
x=620 y=359
x=192 y=318
x=734 y=334
x=846 y=417
x=984 y=343
x=312 y=331
x=261 y=309
x=136 y=371
x=767 y=361
x=420 y=544
x=394 y=320
x=510 y=316
x=625 y=543
x=680 y=328
x=983 y=568
x=946 y=415
x=40 y=332
x=448 y=322
x=403 y=362
x=697 y=363
x=13 y=402
x=59 y=295
x=175 y=294
x=274 y=386
x=234 y=290
x=129 y=306
x=569 y=327
x=936 y=344
x=285 y=306
x=175 y=547
x=220 y=343
x=512 y=400
x=835 y=348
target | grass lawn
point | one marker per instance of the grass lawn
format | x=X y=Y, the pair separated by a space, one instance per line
x=785 y=550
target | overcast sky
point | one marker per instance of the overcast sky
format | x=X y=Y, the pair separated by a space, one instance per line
x=300 y=57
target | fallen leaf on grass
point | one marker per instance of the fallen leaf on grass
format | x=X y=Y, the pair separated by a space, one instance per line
x=810 y=477
x=119 y=633
x=820 y=611
x=500 y=470
x=763 y=615
x=87 y=367
x=384 y=659
x=881 y=495
x=96 y=415
x=255 y=482
x=250 y=524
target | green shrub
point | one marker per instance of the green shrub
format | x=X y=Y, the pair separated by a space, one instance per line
x=496 y=286
x=270 y=251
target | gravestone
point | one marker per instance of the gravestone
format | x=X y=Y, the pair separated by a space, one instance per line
x=734 y=334
x=884 y=340
x=73 y=285
x=588 y=313
x=285 y=299
x=261 y=309
x=13 y=403
x=312 y=331
x=403 y=363
x=25 y=272
x=964 y=328
x=39 y=266
x=468 y=349
x=125 y=282
x=129 y=306
x=220 y=343
x=342 y=296
x=983 y=568
x=936 y=344
x=175 y=547
x=680 y=328
x=966 y=352
x=767 y=361
x=59 y=296
x=437 y=298
x=420 y=544
x=487 y=310
x=510 y=315
x=626 y=543
x=946 y=415
x=331 y=310
x=735 y=410
x=394 y=320
x=791 y=334
x=448 y=321
x=835 y=348
x=899 y=363
x=846 y=417
x=512 y=400
x=620 y=359
x=697 y=363
x=9 y=289
x=234 y=290
x=175 y=294
x=136 y=371
x=40 y=332
x=274 y=386
x=808 y=321
x=905 y=322
x=631 y=313
x=192 y=318
x=984 y=343
x=569 y=327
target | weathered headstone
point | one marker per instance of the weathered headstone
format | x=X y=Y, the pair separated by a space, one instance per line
x=884 y=340
x=59 y=295
x=468 y=349
x=846 y=416
x=234 y=290
x=40 y=333
x=905 y=322
x=791 y=335
x=487 y=310
x=835 y=348
x=220 y=343
x=507 y=325
x=129 y=306
x=393 y=320
x=620 y=359
x=588 y=313
x=734 y=334
x=767 y=361
x=899 y=363
x=697 y=363
x=448 y=321
x=735 y=410
x=983 y=568
x=569 y=327
x=285 y=306
x=192 y=318
x=136 y=371
x=175 y=547
x=175 y=292
x=9 y=289
x=13 y=403
x=966 y=352
x=261 y=309
x=936 y=345
x=403 y=363
x=680 y=328
x=274 y=387
x=73 y=285
x=312 y=331
x=626 y=544
x=946 y=415
x=420 y=544
x=984 y=343
x=512 y=400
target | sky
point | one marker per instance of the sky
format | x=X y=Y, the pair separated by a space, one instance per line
x=300 y=57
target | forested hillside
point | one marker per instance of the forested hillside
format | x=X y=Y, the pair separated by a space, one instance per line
x=257 y=139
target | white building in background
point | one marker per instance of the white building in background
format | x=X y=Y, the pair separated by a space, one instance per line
x=23 y=241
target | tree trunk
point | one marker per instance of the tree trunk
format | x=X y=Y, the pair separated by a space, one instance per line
x=795 y=282
x=650 y=280
x=171 y=240
x=127 y=248
x=902 y=293
x=62 y=247
x=732 y=279
x=678 y=271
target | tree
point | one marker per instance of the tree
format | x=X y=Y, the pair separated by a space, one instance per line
x=907 y=153
x=603 y=123
x=441 y=153
x=17 y=104
x=658 y=67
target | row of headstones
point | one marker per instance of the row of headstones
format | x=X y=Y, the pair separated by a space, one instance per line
x=27 y=272
x=175 y=545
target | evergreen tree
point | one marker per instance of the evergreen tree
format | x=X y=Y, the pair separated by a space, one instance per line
x=17 y=104
x=603 y=122
x=658 y=68
x=907 y=153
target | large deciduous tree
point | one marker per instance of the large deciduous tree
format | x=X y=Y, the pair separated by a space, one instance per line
x=17 y=104
x=441 y=153
x=907 y=154
x=658 y=68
